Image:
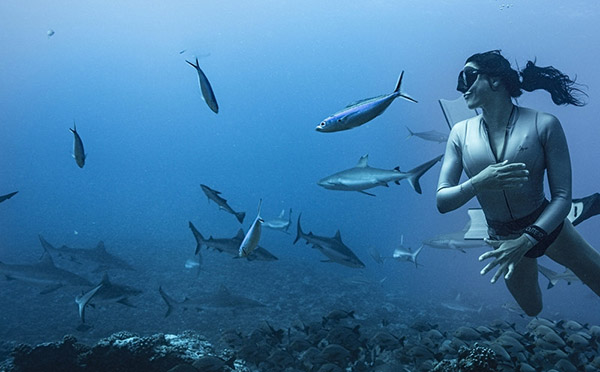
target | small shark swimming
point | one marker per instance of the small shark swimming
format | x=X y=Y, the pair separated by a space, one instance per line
x=279 y=223
x=554 y=277
x=405 y=254
x=78 y=152
x=223 y=298
x=363 y=177
x=430 y=135
x=214 y=195
x=333 y=248
x=230 y=246
x=98 y=255
x=43 y=273
x=360 y=112
x=7 y=196
x=454 y=241
x=108 y=292
x=207 y=92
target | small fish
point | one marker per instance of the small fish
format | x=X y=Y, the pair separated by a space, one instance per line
x=430 y=135
x=207 y=93
x=78 y=153
x=252 y=237
x=214 y=195
x=50 y=33
x=360 y=112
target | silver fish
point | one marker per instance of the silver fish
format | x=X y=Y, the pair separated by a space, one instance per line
x=360 y=112
x=78 y=152
x=430 y=135
x=252 y=237
x=207 y=93
x=363 y=177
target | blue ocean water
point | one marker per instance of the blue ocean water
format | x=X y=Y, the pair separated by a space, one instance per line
x=118 y=71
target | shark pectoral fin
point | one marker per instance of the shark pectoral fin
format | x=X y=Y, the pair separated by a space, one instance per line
x=364 y=192
x=125 y=301
x=51 y=288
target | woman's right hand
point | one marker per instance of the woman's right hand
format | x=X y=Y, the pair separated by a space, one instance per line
x=501 y=176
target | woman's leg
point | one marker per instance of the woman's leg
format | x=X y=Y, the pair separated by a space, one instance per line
x=571 y=250
x=524 y=287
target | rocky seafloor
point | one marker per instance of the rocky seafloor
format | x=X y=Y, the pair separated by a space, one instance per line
x=335 y=343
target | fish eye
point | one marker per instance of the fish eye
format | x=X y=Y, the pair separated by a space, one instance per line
x=322 y=124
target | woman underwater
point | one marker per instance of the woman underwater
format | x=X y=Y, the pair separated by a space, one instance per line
x=504 y=152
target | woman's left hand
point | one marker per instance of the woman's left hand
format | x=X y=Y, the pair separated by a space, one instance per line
x=507 y=253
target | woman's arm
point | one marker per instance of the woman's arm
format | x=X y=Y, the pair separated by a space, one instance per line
x=451 y=195
x=558 y=166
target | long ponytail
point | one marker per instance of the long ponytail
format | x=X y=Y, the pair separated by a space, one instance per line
x=563 y=90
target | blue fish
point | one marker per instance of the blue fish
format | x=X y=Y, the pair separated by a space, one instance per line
x=207 y=93
x=360 y=112
x=78 y=152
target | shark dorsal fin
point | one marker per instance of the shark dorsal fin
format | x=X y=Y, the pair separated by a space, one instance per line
x=240 y=234
x=46 y=260
x=282 y=213
x=100 y=246
x=105 y=279
x=363 y=161
x=338 y=236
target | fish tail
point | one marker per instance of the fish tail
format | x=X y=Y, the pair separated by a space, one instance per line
x=410 y=133
x=240 y=216
x=299 y=234
x=199 y=238
x=196 y=66
x=400 y=93
x=416 y=173
x=168 y=300
x=416 y=254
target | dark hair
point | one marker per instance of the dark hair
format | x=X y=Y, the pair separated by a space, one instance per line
x=563 y=90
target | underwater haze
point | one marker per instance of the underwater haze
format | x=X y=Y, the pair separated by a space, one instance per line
x=118 y=71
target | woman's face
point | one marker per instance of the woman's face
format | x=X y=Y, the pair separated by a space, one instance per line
x=476 y=84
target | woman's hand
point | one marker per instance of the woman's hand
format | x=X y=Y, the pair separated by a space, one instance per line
x=507 y=253
x=501 y=176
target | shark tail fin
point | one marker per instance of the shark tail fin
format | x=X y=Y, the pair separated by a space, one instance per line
x=168 y=300
x=299 y=233
x=417 y=254
x=410 y=133
x=416 y=173
x=199 y=238
x=399 y=92
x=240 y=216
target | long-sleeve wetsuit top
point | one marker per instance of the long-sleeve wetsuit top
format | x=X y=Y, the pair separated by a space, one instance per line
x=540 y=144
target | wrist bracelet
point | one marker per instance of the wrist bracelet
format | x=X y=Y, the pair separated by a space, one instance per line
x=536 y=232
